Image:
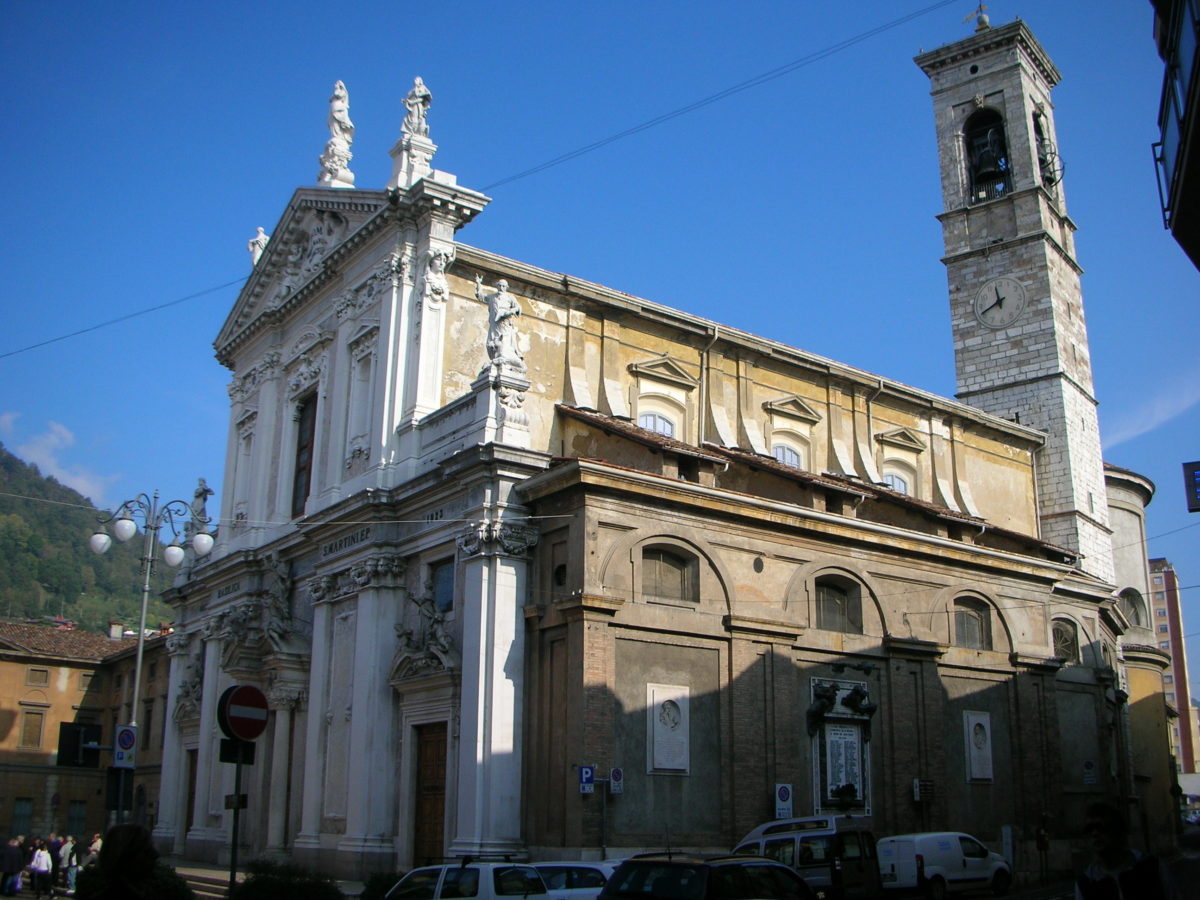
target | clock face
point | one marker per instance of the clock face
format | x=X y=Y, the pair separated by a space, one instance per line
x=1000 y=302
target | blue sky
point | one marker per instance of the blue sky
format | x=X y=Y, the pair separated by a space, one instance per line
x=151 y=139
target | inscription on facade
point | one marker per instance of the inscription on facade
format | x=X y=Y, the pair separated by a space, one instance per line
x=229 y=590
x=345 y=542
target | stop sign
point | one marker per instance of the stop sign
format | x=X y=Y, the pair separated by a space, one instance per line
x=242 y=712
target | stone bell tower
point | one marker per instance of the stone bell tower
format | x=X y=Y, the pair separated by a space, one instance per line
x=1020 y=342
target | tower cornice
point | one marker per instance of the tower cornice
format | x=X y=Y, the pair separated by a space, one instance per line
x=1016 y=34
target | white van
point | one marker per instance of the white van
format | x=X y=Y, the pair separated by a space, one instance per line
x=835 y=855
x=941 y=862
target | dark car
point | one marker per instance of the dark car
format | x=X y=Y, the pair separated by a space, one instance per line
x=679 y=877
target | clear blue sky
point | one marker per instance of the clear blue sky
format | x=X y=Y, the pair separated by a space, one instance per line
x=152 y=138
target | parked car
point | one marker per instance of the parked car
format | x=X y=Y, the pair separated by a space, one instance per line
x=673 y=876
x=485 y=880
x=941 y=862
x=835 y=855
x=581 y=879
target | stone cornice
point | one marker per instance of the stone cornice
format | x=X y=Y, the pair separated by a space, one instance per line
x=734 y=341
x=1016 y=34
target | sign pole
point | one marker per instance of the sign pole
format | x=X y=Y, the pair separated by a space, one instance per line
x=237 y=814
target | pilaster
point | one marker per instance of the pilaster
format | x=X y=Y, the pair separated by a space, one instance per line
x=495 y=586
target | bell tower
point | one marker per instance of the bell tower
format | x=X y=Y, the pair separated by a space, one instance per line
x=1020 y=343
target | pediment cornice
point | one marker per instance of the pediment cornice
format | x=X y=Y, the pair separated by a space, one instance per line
x=319 y=227
x=904 y=438
x=664 y=369
x=793 y=407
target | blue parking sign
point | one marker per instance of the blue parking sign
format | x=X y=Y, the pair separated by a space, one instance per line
x=587 y=779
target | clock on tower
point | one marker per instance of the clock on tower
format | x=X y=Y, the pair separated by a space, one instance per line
x=1020 y=342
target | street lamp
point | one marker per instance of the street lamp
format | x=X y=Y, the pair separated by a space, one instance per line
x=154 y=517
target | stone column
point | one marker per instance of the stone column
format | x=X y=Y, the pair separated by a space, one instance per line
x=283 y=699
x=495 y=573
x=170 y=829
x=309 y=837
x=370 y=820
x=206 y=763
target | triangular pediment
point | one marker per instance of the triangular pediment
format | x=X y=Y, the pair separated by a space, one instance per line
x=904 y=438
x=793 y=407
x=309 y=237
x=664 y=369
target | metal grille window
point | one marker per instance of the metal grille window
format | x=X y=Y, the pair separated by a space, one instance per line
x=972 y=625
x=1066 y=640
x=668 y=576
x=839 y=608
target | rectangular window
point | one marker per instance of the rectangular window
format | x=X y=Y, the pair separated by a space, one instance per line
x=1161 y=613
x=306 y=430
x=1163 y=629
x=38 y=677
x=32 y=723
x=441 y=574
x=22 y=816
x=147 y=724
x=77 y=818
x=1168 y=679
x=85 y=680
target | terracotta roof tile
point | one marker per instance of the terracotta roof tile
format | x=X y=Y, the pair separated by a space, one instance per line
x=45 y=640
x=627 y=429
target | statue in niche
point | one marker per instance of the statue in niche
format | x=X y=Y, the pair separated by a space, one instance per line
x=435 y=290
x=502 y=327
x=277 y=586
x=257 y=245
x=417 y=104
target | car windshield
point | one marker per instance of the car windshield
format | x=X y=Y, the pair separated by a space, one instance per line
x=419 y=884
x=658 y=880
x=517 y=881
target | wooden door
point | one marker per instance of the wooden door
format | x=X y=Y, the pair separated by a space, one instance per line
x=430 y=791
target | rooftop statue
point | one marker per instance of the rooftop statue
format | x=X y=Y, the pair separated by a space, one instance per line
x=335 y=161
x=340 y=125
x=417 y=103
x=257 y=245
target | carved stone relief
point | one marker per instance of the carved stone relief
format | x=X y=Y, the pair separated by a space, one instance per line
x=492 y=537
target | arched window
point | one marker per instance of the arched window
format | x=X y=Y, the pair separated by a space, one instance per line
x=668 y=575
x=972 y=624
x=1130 y=603
x=987 y=156
x=657 y=423
x=1066 y=640
x=788 y=455
x=896 y=482
x=839 y=606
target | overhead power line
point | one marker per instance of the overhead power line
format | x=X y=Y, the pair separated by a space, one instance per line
x=746 y=85
x=124 y=318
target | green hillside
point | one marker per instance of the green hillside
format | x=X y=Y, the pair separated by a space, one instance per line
x=46 y=567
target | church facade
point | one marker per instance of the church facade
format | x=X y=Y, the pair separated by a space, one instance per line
x=491 y=536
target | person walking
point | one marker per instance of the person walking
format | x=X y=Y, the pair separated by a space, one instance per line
x=40 y=868
x=68 y=862
x=1117 y=871
x=13 y=861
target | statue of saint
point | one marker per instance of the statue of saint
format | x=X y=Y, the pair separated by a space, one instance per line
x=502 y=327
x=417 y=104
x=256 y=245
x=340 y=126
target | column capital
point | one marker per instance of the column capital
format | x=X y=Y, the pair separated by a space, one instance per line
x=497 y=538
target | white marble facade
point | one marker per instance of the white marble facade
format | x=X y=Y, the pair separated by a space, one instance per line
x=401 y=406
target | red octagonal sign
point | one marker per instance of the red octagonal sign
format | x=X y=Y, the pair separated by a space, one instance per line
x=242 y=712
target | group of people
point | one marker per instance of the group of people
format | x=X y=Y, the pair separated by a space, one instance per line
x=46 y=865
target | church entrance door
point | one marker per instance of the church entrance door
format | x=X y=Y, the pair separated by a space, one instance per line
x=430 y=790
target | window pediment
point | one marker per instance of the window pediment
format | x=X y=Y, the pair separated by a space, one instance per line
x=308 y=339
x=793 y=407
x=903 y=438
x=664 y=369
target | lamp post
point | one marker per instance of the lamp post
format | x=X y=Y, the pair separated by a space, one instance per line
x=154 y=516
